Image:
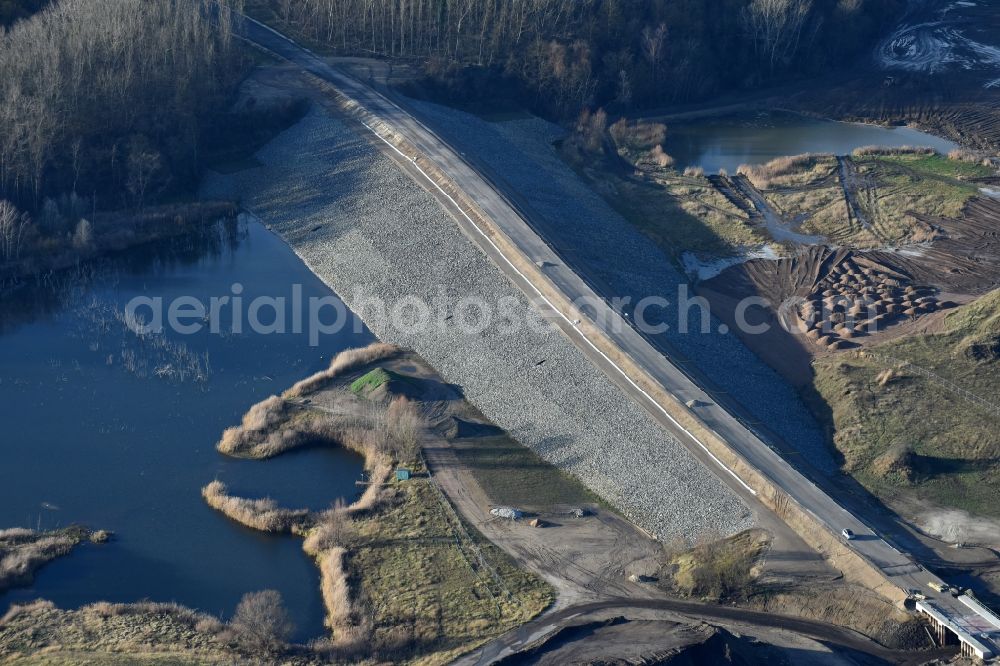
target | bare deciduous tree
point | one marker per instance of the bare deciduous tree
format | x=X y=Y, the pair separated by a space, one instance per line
x=405 y=426
x=144 y=164
x=652 y=47
x=261 y=620
x=776 y=27
x=13 y=226
x=78 y=78
x=83 y=237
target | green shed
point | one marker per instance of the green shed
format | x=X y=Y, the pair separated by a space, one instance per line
x=402 y=474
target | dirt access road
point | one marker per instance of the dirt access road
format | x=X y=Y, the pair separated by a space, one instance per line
x=588 y=560
x=761 y=624
x=584 y=559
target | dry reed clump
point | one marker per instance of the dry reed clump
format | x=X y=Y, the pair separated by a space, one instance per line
x=326 y=544
x=16 y=533
x=335 y=589
x=345 y=361
x=405 y=426
x=638 y=135
x=106 y=609
x=694 y=172
x=660 y=158
x=869 y=151
x=333 y=528
x=26 y=609
x=261 y=514
x=373 y=493
x=972 y=157
x=390 y=430
x=765 y=175
x=256 y=429
x=351 y=644
x=265 y=444
x=24 y=551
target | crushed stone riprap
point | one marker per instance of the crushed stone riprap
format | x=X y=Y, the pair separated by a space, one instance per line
x=365 y=228
x=575 y=217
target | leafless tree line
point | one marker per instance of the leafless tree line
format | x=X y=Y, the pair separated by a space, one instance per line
x=13 y=226
x=776 y=28
x=98 y=95
x=478 y=31
x=571 y=53
x=518 y=35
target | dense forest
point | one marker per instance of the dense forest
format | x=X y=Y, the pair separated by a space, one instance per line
x=562 y=55
x=104 y=105
x=114 y=104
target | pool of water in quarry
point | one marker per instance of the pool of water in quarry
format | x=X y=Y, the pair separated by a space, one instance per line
x=112 y=431
x=753 y=138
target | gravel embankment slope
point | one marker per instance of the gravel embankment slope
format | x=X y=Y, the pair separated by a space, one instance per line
x=576 y=218
x=368 y=230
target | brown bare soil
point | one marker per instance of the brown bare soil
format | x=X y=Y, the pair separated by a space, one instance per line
x=812 y=293
x=963 y=112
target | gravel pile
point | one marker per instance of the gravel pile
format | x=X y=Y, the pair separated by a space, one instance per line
x=573 y=216
x=368 y=230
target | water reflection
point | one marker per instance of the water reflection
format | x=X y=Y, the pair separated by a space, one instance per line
x=116 y=431
x=754 y=138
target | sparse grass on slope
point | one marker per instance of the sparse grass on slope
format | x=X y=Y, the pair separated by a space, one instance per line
x=420 y=573
x=722 y=569
x=940 y=165
x=512 y=474
x=142 y=634
x=922 y=184
x=364 y=385
x=792 y=170
x=900 y=431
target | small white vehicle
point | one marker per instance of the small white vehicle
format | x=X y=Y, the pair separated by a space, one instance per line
x=847 y=533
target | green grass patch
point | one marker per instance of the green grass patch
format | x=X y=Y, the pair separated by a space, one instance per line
x=939 y=165
x=423 y=587
x=900 y=431
x=374 y=379
x=677 y=213
x=717 y=570
x=513 y=474
x=906 y=185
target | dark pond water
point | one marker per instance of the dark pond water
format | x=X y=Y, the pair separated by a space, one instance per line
x=753 y=138
x=105 y=428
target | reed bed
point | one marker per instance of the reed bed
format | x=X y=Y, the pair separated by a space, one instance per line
x=261 y=514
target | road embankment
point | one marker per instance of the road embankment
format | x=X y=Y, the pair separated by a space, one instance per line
x=365 y=228
x=535 y=282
